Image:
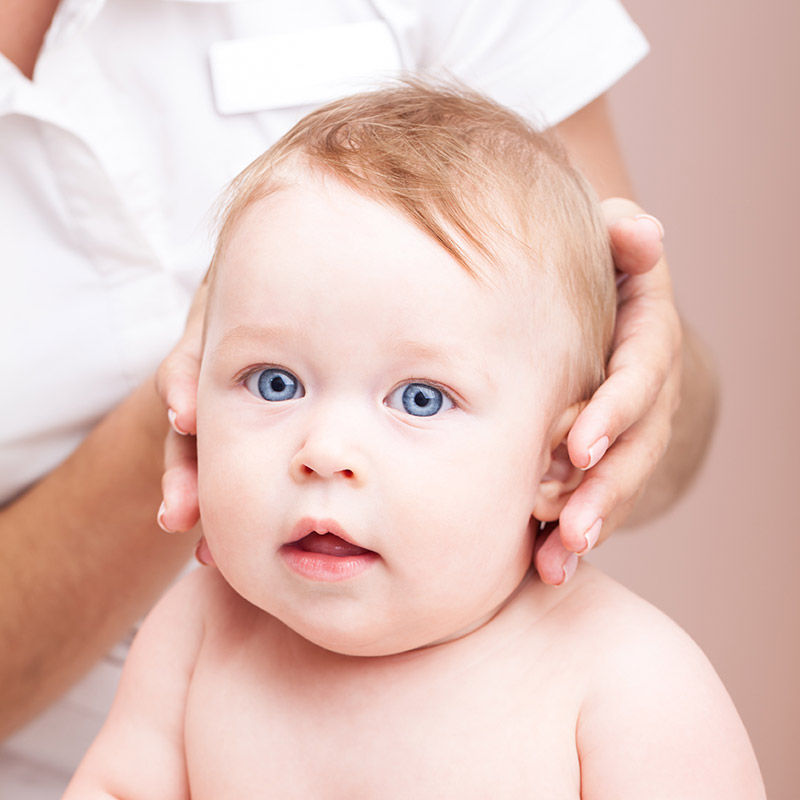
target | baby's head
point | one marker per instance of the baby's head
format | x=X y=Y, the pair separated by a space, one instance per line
x=502 y=198
x=411 y=296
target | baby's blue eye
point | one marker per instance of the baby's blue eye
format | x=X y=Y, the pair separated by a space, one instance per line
x=274 y=384
x=419 y=399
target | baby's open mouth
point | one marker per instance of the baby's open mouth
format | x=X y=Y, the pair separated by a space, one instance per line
x=322 y=551
x=328 y=544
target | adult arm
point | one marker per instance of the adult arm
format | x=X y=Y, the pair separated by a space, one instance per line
x=657 y=407
x=81 y=558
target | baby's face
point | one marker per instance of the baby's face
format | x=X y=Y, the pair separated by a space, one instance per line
x=372 y=424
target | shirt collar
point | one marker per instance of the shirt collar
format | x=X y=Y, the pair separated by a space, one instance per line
x=74 y=16
x=71 y=17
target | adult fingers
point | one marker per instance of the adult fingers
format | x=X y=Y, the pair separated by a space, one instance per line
x=179 y=510
x=636 y=237
x=553 y=562
x=609 y=490
x=176 y=379
x=645 y=364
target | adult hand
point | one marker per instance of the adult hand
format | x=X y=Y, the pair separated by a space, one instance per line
x=176 y=382
x=622 y=434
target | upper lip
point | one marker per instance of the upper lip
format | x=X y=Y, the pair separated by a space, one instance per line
x=321 y=526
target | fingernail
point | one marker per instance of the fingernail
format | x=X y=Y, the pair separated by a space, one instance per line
x=172 y=416
x=162 y=509
x=593 y=534
x=654 y=220
x=597 y=451
x=569 y=567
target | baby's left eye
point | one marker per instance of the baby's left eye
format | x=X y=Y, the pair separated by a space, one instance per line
x=419 y=399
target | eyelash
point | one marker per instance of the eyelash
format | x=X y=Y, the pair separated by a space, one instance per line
x=242 y=377
x=428 y=382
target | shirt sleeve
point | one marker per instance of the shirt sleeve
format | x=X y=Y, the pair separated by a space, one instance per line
x=544 y=58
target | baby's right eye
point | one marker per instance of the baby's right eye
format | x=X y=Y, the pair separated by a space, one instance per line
x=274 y=384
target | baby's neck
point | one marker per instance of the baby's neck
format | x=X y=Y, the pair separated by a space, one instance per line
x=488 y=619
x=521 y=610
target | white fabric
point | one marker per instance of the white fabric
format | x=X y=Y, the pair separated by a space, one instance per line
x=111 y=159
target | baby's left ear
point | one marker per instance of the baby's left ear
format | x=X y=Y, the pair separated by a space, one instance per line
x=561 y=478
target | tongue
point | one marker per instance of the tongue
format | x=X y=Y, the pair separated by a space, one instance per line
x=329 y=544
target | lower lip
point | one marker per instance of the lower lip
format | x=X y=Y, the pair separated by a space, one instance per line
x=324 y=567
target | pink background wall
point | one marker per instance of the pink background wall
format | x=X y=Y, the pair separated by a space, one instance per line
x=710 y=126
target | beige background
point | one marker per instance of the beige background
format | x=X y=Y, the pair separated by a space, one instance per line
x=710 y=126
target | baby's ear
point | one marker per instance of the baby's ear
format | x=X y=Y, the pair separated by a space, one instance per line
x=561 y=478
x=203 y=553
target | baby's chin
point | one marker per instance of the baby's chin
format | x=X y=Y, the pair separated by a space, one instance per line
x=372 y=636
x=374 y=642
x=363 y=644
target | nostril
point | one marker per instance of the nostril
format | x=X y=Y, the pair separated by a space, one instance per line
x=322 y=470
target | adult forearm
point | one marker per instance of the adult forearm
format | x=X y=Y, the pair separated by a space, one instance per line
x=81 y=557
x=692 y=429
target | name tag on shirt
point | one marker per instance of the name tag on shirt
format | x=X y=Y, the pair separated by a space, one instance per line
x=301 y=68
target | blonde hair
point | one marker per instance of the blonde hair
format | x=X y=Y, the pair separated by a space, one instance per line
x=473 y=175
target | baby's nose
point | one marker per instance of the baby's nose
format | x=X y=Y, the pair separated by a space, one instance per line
x=330 y=454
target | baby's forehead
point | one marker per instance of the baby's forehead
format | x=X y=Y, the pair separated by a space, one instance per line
x=318 y=249
x=521 y=278
x=493 y=249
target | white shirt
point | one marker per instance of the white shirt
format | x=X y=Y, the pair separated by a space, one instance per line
x=111 y=159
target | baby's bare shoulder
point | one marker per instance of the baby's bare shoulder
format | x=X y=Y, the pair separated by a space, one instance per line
x=654 y=713
x=624 y=643
x=610 y=616
x=596 y=616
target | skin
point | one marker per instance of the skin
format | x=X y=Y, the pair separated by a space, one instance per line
x=480 y=680
x=23 y=24
x=346 y=449
x=655 y=412
x=586 y=690
x=106 y=559
x=72 y=616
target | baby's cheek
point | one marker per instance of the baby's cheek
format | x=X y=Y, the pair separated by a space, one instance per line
x=219 y=480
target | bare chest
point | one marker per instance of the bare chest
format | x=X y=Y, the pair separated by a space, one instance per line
x=490 y=727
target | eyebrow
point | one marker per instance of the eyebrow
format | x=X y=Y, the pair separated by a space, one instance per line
x=447 y=356
x=264 y=331
x=439 y=355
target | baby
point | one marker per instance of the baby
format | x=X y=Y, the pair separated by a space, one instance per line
x=411 y=299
